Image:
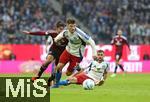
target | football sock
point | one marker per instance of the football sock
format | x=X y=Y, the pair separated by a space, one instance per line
x=63 y=82
x=53 y=67
x=116 y=69
x=121 y=67
x=52 y=77
x=58 y=77
x=42 y=69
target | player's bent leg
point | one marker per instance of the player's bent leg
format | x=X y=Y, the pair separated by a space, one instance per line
x=44 y=66
x=73 y=80
x=58 y=71
x=115 y=71
x=50 y=80
x=68 y=73
x=121 y=67
x=116 y=67
x=59 y=66
x=70 y=80
x=74 y=62
x=81 y=77
x=58 y=74
x=64 y=58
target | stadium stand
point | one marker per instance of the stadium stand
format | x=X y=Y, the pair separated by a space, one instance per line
x=101 y=17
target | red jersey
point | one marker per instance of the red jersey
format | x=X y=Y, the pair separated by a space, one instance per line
x=53 y=34
x=119 y=42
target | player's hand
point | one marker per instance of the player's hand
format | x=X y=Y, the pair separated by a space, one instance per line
x=26 y=32
x=47 y=32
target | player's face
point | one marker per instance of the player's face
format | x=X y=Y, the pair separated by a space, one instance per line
x=71 y=27
x=119 y=32
x=100 y=56
x=59 y=29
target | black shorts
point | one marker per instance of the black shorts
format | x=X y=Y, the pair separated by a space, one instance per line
x=118 y=56
x=56 y=54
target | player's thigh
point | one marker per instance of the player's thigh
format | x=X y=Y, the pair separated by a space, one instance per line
x=72 y=80
x=68 y=73
x=118 y=57
x=60 y=66
x=73 y=62
x=49 y=59
x=57 y=58
x=65 y=57
x=81 y=77
x=70 y=68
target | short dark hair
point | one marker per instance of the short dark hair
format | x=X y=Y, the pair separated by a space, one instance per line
x=99 y=51
x=60 y=24
x=71 y=21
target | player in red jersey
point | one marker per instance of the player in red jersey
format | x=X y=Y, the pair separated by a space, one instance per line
x=119 y=41
x=55 y=49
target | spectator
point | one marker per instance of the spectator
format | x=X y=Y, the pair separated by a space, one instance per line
x=101 y=17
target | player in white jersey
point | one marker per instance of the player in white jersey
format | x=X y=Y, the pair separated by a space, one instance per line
x=97 y=71
x=75 y=48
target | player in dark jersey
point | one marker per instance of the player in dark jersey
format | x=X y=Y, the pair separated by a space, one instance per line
x=119 y=41
x=55 y=49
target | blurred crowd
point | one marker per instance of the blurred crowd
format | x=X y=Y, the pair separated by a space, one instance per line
x=101 y=17
x=32 y=15
x=104 y=17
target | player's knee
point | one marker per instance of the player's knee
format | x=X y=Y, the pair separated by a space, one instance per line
x=46 y=64
x=68 y=73
x=49 y=58
x=59 y=66
x=72 y=79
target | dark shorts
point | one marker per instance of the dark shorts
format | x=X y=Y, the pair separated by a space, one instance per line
x=56 y=54
x=118 y=56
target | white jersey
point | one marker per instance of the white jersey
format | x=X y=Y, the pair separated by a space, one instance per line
x=96 y=70
x=77 y=41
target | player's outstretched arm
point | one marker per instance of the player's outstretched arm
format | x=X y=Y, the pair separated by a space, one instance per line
x=112 y=42
x=59 y=36
x=93 y=45
x=103 y=79
x=86 y=38
x=25 y=32
x=40 y=33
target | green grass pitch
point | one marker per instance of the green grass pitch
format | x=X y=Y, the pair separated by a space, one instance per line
x=128 y=88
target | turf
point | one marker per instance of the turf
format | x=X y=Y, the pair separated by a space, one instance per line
x=128 y=88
